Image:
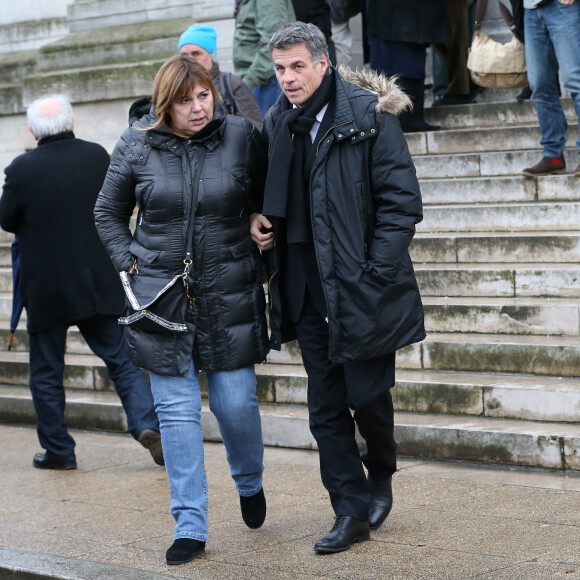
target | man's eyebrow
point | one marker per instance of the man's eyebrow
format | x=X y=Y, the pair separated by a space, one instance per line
x=294 y=63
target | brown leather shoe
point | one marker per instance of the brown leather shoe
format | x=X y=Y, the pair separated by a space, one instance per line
x=577 y=171
x=151 y=440
x=547 y=166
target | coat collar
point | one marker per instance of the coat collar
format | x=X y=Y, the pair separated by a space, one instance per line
x=57 y=137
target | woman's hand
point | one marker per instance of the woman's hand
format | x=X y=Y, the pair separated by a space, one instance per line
x=261 y=232
x=567 y=1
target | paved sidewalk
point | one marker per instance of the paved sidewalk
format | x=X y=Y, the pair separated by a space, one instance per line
x=110 y=520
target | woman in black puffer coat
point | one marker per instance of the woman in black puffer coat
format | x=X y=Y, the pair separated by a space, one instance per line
x=180 y=157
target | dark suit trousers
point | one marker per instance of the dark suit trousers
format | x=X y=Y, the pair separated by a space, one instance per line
x=335 y=389
x=105 y=337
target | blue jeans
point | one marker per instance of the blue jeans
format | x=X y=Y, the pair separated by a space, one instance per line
x=552 y=35
x=267 y=94
x=106 y=339
x=233 y=400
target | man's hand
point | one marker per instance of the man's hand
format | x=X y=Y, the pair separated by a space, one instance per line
x=567 y=1
x=261 y=232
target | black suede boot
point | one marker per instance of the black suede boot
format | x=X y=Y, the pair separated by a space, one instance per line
x=253 y=509
x=184 y=550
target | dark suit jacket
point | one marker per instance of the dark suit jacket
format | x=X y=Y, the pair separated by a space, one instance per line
x=48 y=200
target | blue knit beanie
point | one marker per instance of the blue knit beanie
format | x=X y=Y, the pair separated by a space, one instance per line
x=204 y=36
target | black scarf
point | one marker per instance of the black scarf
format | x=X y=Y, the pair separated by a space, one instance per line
x=285 y=190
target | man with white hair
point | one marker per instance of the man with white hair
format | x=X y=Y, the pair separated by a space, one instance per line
x=67 y=277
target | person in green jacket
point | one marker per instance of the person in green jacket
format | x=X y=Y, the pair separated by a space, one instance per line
x=256 y=22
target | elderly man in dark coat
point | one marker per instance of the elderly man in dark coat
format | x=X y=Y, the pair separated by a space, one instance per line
x=67 y=277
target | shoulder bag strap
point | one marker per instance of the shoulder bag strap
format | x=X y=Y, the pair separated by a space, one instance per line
x=480 y=9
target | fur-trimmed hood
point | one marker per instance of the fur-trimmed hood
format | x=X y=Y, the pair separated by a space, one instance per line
x=391 y=97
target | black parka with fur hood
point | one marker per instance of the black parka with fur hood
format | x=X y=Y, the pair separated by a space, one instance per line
x=364 y=203
x=223 y=168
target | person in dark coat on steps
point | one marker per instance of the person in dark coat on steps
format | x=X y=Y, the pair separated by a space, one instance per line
x=67 y=277
x=399 y=34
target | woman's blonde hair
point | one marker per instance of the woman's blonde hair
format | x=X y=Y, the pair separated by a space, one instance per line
x=176 y=79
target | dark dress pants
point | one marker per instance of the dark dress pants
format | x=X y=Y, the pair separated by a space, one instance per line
x=335 y=389
x=105 y=338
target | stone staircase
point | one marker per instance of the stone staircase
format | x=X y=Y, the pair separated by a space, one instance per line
x=498 y=262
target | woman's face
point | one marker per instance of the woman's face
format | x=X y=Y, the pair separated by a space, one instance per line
x=192 y=113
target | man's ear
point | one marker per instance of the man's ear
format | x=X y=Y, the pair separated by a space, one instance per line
x=32 y=132
x=324 y=63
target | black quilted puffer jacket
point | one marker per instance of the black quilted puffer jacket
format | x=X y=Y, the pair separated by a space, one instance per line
x=223 y=168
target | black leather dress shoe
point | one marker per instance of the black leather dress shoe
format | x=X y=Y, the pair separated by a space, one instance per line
x=381 y=501
x=253 y=509
x=184 y=550
x=41 y=461
x=345 y=532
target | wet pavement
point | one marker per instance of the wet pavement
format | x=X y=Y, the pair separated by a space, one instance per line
x=110 y=519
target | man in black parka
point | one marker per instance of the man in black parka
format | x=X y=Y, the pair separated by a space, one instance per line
x=67 y=277
x=343 y=199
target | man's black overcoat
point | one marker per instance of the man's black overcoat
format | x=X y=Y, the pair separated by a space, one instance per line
x=48 y=200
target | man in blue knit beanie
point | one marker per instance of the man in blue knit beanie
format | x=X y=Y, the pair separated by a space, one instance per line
x=199 y=42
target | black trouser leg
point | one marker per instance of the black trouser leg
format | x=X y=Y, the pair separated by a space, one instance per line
x=333 y=389
x=46 y=373
x=369 y=394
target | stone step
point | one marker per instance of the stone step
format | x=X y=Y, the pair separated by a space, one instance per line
x=129 y=43
x=483 y=139
x=498 y=395
x=82 y=371
x=507 y=279
x=485 y=440
x=98 y=83
x=5 y=256
x=513 y=316
x=492 y=114
x=499 y=189
x=529 y=316
x=475 y=352
x=538 y=355
x=15 y=66
x=498 y=247
x=91 y=15
x=506 y=217
x=436 y=436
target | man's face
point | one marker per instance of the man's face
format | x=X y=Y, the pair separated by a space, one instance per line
x=201 y=55
x=297 y=75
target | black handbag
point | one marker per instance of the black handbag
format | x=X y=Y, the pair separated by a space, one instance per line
x=155 y=304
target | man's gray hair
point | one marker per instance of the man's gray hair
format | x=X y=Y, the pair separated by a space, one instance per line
x=295 y=33
x=45 y=123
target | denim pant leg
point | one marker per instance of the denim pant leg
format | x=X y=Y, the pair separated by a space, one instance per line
x=178 y=405
x=563 y=21
x=267 y=94
x=233 y=400
x=542 y=66
x=46 y=372
x=106 y=339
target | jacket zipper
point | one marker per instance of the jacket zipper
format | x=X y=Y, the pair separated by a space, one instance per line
x=330 y=334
